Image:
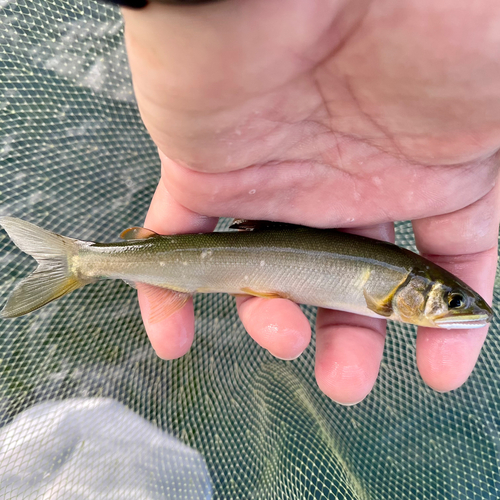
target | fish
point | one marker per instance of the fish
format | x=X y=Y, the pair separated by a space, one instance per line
x=319 y=267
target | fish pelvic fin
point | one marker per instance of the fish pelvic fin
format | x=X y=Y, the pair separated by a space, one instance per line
x=54 y=277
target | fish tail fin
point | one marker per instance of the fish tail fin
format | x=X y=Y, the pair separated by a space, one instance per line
x=54 y=276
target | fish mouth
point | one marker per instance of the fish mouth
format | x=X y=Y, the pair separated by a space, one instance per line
x=463 y=322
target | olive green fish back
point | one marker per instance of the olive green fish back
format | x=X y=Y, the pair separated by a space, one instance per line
x=76 y=159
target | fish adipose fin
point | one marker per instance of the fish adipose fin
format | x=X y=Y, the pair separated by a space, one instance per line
x=163 y=302
x=53 y=277
x=137 y=233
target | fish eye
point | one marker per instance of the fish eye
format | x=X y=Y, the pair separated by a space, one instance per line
x=456 y=300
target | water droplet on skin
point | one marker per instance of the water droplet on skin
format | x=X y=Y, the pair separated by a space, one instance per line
x=252 y=191
x=206 y=253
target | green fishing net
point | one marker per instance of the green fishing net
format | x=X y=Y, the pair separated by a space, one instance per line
x=87 y=410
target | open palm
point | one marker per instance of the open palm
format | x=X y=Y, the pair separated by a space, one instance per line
x=344 y=113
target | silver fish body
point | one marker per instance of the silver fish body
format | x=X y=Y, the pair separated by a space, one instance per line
x=324 y=268
x=231 y=263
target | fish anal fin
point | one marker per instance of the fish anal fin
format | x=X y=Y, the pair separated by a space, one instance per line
x=137 y=233
x=263 y=295
x=163 y=302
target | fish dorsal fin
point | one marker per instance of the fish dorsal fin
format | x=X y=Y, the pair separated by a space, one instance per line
x=258 y=225
x=137 y=233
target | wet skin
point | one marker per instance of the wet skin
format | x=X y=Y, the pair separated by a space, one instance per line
x=339 y=113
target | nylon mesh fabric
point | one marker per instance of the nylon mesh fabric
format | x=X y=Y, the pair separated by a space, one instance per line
x=232 y=421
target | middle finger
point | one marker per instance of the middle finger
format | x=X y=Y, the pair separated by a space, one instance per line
x=349 y=347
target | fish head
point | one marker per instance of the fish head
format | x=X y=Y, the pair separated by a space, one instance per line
x=440 y=300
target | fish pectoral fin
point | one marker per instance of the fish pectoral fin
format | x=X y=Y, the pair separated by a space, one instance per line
x=379 y=296
x=137 y=233
x=163 y=302
x=379 y=304
x=263 y=295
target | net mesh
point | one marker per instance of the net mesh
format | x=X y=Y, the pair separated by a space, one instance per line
x=88 y=410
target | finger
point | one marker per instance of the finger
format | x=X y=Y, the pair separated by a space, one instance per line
x=281 y=190
x=278 y=325
x=464 y=243
x=172 y=336
x=349 y=350
x=349 y=347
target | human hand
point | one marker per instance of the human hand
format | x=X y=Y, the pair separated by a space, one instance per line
x=331 y=114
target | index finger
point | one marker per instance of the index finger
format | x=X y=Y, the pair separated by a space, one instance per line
x=171 y=337
x=465 y=243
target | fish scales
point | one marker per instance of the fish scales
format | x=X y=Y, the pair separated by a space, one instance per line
x=308 y=266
